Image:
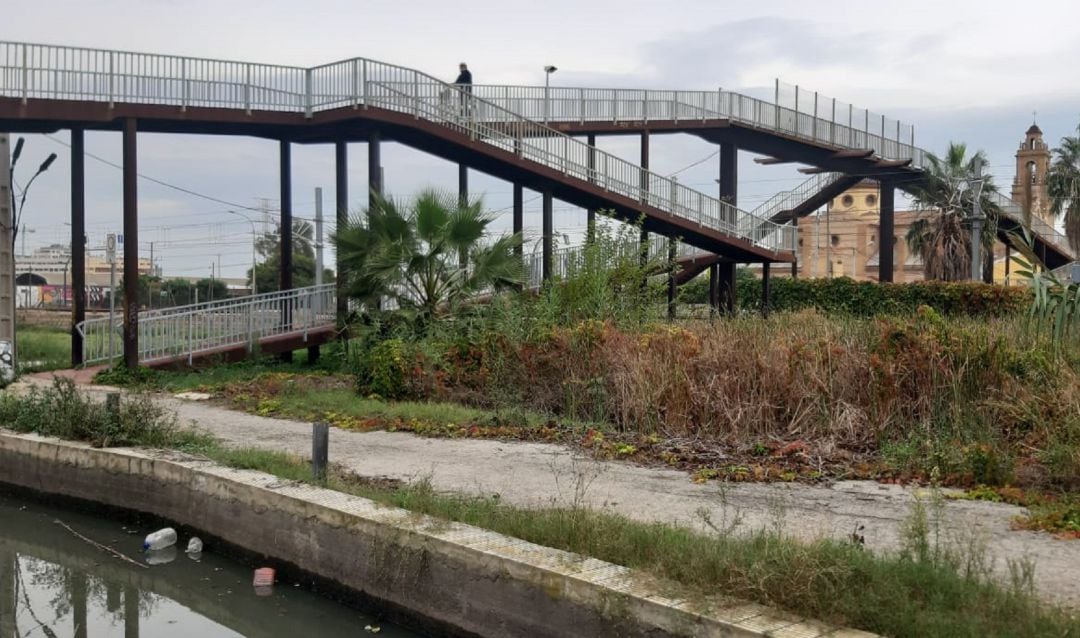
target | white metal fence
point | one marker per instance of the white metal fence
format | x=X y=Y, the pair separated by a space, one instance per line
x=818 y=119
x=186 y=331
x=53 y=72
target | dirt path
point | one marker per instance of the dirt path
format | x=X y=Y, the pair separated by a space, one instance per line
x=542 y=474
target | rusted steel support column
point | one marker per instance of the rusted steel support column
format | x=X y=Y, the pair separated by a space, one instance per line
x=548 y=235
x=463 y=184
x=727 y=291
x=886 y=230
x=729 y=173
x=795 y=263
x=341 y=195
x=131 y=245
x=285 y=245
x=590 y=223
x=672 y=267
x=375 y=185
x=78 y=242
x=714 y=289
x=765 y=289
x=644 y=240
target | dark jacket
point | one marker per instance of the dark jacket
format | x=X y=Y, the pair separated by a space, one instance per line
x=465 y=77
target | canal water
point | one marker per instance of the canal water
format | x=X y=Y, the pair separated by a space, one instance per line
x=54 y=584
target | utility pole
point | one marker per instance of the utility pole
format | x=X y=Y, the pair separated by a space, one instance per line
x=7 y=263
x=977 y=223
x=318 y=237
x=110 y=256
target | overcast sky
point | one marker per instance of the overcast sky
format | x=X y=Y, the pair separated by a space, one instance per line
x=958 y=71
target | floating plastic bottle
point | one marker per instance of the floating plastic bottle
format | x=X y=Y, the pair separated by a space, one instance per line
x=160 y=539
x=194 y=545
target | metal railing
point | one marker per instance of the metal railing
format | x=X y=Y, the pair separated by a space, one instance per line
x=569 y=258
x=790 y=199
x=825 y=124
x=55 y=72
x=186 y=331
x=1039 y=227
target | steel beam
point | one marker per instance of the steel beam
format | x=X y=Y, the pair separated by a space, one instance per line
x=78 y=242
x=886 y=230
x=341 y=196
x=131 y=245
x=548 y=231
x=519 y=215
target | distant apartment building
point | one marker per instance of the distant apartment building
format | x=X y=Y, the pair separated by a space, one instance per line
x=43 y=278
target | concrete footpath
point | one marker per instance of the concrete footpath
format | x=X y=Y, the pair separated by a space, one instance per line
x=536 y=474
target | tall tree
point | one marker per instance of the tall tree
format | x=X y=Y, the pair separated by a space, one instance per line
x=426 y=254
x=1063 y=182
x=942 y=235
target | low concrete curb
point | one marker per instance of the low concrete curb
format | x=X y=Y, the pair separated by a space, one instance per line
x=470 y=580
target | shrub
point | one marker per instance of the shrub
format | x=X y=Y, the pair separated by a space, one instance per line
x=62 y=411
x=846 y=296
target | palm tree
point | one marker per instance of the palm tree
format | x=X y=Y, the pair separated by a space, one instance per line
x=942 y=237
x=303 y=238
x=1063 y=182
x=427 y=254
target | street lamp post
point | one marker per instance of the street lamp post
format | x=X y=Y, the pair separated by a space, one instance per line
x=12 y=225
x=548 y=70
x=254 y=244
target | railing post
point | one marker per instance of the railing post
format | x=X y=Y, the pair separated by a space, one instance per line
x=581 y=95
x=416 y=97
x=25 y=74
x=364 y=82
x=645 y=106
x=308 y=110
x=615 y=105
x=815 y=115
x=247 y=92
x=112 y=76
x=191 y=334
x=185 y=85
x=354 y=82
x=675 y=106
x=251 y=325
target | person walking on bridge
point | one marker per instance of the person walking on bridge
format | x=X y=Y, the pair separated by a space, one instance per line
x=464 y=84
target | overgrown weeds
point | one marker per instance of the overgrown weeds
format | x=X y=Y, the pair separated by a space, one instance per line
x=62 y=411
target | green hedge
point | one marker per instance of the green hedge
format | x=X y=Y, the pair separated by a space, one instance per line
x=842 y=295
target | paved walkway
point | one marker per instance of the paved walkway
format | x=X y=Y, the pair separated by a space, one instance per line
x=536 y=474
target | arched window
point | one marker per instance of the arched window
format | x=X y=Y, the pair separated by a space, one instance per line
x=1031 y=172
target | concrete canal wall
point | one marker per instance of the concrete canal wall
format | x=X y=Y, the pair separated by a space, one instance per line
x=465 y=580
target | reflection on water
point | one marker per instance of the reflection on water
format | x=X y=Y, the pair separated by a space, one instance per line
x=53 y=584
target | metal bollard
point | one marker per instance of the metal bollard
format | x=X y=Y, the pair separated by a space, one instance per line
x=320 y=450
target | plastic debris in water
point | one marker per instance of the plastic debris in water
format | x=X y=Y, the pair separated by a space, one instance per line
x=160 y=539
x=264 y=581
x=194 y=545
